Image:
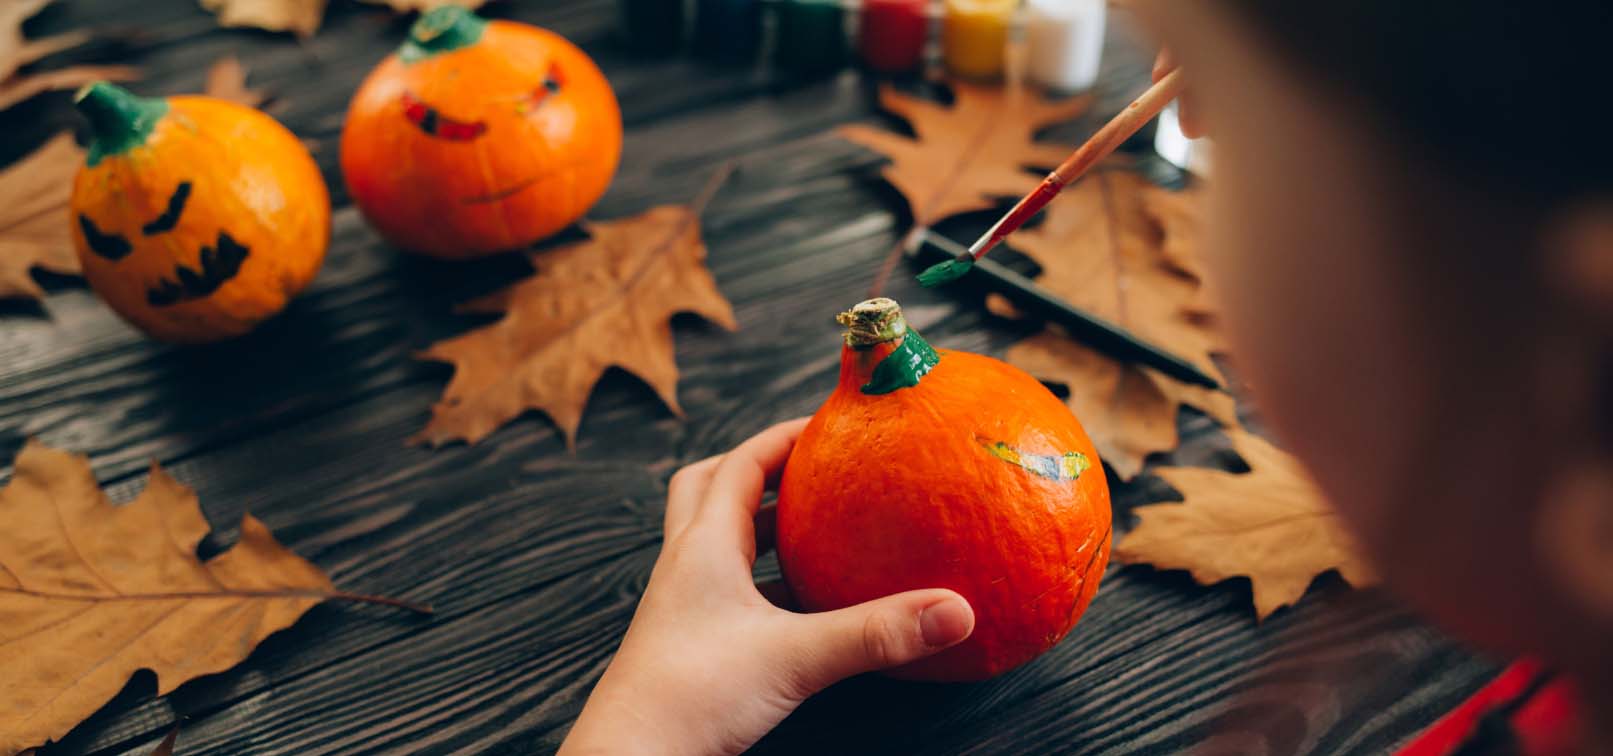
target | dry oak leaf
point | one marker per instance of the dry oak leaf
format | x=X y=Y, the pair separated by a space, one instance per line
x=596 y=304
x=16 y=52
x=300 y=16
x=90 y=593
x=1179 y=216
x=970 y=155
x=226 y=80
x=1270 y=525
x=1100 y=250
x=34 y=230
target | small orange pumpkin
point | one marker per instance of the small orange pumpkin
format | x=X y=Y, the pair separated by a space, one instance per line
x=943 y=469
x=195 y=218
x=479 y=136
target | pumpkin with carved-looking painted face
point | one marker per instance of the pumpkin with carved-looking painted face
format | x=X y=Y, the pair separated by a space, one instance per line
x=479 y=136
x=195 y=218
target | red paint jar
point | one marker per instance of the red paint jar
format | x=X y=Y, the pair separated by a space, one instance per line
x=894 y=33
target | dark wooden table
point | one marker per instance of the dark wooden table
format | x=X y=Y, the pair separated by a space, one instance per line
x=535 y=557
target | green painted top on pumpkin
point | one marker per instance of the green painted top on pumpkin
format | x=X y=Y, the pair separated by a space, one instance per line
x=441 y=30
x=880 y=321
x=119 y=119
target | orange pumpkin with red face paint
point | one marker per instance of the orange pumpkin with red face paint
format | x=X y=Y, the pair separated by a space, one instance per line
x=195 y=218
x=479 y=136
x=943 y=469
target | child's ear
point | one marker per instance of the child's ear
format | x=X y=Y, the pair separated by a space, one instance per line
x=1574 y=517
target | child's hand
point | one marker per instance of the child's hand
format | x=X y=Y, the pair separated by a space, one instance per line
x=1187 y=111
x=708 y=665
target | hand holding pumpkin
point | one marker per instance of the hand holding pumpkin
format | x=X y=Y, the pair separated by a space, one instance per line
x=708 y=665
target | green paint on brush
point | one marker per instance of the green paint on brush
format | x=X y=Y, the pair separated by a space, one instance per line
x=945 y=273
x=441 y=30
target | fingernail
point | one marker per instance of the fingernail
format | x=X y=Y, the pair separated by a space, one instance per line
x=946 y=622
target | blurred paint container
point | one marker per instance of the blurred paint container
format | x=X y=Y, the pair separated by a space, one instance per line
x=728 y=30
x=811 y=35
x=974 y=38
x=653 y=27
x=1064 y=41
x=894 y=34
x=1192 y=155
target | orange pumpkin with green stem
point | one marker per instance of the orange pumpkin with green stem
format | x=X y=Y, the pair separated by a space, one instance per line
x=195 y=218
x=479 y=136
x=943 y=469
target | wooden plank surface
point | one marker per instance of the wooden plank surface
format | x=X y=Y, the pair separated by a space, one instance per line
x=535 y=557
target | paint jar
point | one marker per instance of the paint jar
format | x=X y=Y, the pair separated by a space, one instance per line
x=1192 y=155
x=811 y=36
x=728 y=30
x=974 y=38
x=894 y=34
x=652 y=27
x=1064 y=42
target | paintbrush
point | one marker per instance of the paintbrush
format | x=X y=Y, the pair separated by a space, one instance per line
x=1101 y=145
x=1106 y=337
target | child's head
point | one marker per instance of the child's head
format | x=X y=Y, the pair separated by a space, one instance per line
x=1412 y=232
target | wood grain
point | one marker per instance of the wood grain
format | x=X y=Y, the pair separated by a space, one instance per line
x=534 y=557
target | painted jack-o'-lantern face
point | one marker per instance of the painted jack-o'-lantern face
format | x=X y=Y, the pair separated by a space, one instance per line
x=479 y=137
x=195 y=218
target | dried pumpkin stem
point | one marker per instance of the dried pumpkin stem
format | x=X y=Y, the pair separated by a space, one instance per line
x=441 y=30
x=875 y=321
x=119 y=120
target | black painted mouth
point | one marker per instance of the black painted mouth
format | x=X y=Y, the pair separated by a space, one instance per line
x=219 y=264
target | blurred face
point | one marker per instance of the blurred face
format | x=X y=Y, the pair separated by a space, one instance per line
x=1320 y=249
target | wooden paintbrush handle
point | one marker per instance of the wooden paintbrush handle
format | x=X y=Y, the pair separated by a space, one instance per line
x=1120 y=128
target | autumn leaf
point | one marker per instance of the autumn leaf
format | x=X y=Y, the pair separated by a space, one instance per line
x=968 y=156
x=1101 y=250
x=91 y=593
x=1270 y=525
x=602 y=303
x=16 y=52
x=166 y=747
x=34 y=231
x=226 y=80
x=300 y=16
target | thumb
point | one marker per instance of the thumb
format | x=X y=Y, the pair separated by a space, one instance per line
x=880 y=634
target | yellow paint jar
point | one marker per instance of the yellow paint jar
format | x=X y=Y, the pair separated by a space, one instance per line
x=974 y=38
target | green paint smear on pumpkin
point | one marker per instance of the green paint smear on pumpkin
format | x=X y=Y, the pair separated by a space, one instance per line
x=1061 y=467
x=119 y=119
x=442 y=30
x=904 y=366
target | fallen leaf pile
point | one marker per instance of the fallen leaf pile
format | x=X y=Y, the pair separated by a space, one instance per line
x=303 y=17
x=17 y=52
x=91 y=593
x=1269 y=525
x=1120 y=247
x=34 y=230
x=602 y=303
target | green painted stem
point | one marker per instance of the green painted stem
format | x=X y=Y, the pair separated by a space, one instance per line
x=119 y=120
x=880 y=321
x=441 y=30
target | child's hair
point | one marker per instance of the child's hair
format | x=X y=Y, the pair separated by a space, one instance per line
x=1506 y=93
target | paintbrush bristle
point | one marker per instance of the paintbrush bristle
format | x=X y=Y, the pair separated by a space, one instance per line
x=945 y=273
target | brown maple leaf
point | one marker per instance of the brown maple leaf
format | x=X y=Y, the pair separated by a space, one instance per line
x=90 y=593
x=1270 y=525
x=300 y=16
x=602 y=303
x=1101 y=250
x=968 y=156
x=226 y=80
x=16 y=52
x=34 y=230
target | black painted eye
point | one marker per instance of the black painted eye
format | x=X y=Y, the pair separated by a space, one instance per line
x=110 y=246
x=551 y=85
x=169 y=217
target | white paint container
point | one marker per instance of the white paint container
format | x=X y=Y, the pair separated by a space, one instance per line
x=1064 y=41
